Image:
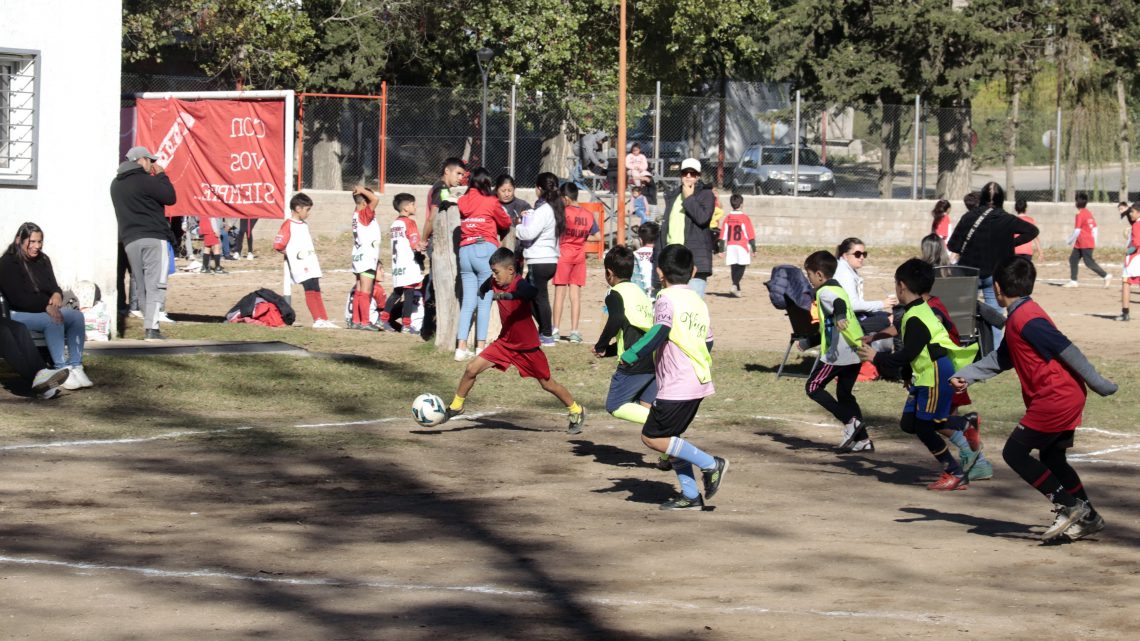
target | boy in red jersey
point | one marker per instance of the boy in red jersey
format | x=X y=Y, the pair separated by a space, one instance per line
x=737 y=241
x=1053 y=375
x=1083 y=239
x=1131 y=275
x=517 y=343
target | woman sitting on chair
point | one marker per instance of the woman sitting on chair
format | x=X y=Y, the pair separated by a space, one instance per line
x=871 y=313
x=27 y=280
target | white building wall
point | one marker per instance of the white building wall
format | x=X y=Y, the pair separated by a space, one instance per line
x=79 y=43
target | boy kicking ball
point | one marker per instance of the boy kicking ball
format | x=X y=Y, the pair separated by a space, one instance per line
x=1053 y=374
x=681 y=337
x=517 y=343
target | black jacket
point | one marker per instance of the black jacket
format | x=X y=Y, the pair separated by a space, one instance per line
x=140 y=202
x=246 y=305
x=29 y=285
x=992 y=242
x=698 y=211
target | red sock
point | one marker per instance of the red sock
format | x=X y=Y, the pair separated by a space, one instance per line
x=316 y=305
x=379 y=295
x=361 y=307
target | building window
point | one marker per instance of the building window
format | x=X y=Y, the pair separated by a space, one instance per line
x=19 y=116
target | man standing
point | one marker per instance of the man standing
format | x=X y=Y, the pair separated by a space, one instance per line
x=688 y=212
x=140 y=192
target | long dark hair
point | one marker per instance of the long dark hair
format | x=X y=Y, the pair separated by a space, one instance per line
x=941 y=208
x=481 y=182
x=23 y=233
x=547 y=187
x=992 y=195
x=846 y=246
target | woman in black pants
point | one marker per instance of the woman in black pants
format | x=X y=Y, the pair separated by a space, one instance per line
x=245 y=230
x=538 y=233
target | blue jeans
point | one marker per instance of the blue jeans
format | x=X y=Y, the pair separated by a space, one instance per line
x=71 y=330
x=699 y=285
x=986 y=286
x=474 y=269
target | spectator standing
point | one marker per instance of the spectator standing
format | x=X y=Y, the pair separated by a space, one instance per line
x=941 y=220
x=688 y=212
x=1021 y=208
x=245 y=232
x=140 y=193
x=570 y=275
x=538 y=232
x=481 y=219
x=1083 y=239
x=441 y=197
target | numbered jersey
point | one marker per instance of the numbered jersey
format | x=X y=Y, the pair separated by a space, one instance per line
x=296 y=242
x=365 y=241
x=406 y=270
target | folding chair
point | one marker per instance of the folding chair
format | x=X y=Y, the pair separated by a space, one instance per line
x=957 y=287
x=802 y=327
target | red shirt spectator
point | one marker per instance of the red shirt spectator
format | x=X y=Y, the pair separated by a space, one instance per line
x=481 y=218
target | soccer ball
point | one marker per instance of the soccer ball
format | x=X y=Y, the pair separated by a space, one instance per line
x=429 y=410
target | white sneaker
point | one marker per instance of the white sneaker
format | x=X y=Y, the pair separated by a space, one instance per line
x=478 y=351
x=136 y=313
x=1071 y=283
x=163 y=318
x=48 y=379
x=325 y=324
x=462 y=355
x=49 y=394
x=80 y=376
x=848 y=435
x=863 y=446
x=1107 y=281
x=249 y=256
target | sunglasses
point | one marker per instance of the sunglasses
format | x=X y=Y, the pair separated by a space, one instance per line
x=860 y=254
x=690 y=172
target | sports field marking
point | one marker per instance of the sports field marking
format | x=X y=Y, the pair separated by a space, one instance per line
x=1109 y=450
x=493 y=590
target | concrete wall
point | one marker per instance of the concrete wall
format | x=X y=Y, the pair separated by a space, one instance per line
x=79 y=44
x=785 y=220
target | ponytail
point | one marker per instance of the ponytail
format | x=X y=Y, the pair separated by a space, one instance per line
x=547 y=187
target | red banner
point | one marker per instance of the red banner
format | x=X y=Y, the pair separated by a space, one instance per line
x=226 y=158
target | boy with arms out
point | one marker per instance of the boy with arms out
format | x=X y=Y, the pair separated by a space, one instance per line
x=737 y=241
x=1053 y=374
x=517 y=343
x=931 y=357
x=365 y=256
x=407 y=274
x=679 y=340
x=840 y=335
x=296 y=242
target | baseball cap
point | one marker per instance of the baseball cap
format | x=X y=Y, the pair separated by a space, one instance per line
x=134 y=153
x=691 y=163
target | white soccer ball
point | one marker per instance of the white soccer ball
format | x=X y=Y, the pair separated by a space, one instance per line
x=429 y=410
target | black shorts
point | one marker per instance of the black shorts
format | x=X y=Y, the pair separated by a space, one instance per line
x=670 y=418
x=1032 y=439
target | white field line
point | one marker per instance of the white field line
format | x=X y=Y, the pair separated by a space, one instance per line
x=173 y=435
x=1110 y=450
x=528 y=595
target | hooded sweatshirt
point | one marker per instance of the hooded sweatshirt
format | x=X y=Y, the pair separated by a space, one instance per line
x=140 y=202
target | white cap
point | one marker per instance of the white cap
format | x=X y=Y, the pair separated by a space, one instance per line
x=134 y=153
x=691 y=163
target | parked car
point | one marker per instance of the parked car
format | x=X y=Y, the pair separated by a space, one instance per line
x=767 y=169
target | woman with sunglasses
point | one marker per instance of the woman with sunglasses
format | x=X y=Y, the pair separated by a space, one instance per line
x=688 y=212
x=871 y=313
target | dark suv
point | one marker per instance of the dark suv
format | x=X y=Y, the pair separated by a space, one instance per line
x=767 y=169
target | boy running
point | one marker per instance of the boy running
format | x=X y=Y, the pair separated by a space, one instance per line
x=932 y=358
x=737 y=241
x=1053 y=374
x=407 y=274
x=517 y=343
x=1083 y=239
x=840 y=335
x=294 y=240
x=679 y=340
x=365 y=256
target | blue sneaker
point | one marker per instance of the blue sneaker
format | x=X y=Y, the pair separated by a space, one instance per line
x=547 y=341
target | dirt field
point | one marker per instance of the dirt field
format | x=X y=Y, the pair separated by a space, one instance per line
x=501 y=526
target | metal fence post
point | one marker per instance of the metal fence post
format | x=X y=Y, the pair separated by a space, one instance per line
x=796 y=149
x=1057 y=159
x=300 y=141
x=513 y=134
x=383 y=147
x=657 y=131
x=914 y=171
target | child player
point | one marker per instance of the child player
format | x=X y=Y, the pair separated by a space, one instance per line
x=295 y=241
x=679 y=340
x=407 y=273
x=737 y=241
x=365 y=256
x=633 y=387
x=1053 y=374
x=1131 y=274
x=570 y=274
x=517 y=343
x=643 y=269
x=932 y=358
x=840 y=335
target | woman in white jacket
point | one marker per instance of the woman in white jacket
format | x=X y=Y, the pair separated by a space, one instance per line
x=872 y=314
x=538 y=233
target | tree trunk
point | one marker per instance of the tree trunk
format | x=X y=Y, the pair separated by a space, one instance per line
x=326 y=162
x=889 y=138
x=955 y=155
x=720 y=127
x=1013 y=122
x=1125 y=141
x=445 y=277
x=557 y=154
x=1072 y=153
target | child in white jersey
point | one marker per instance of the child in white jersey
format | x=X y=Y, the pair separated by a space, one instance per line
x=365 y=256
x=643 y=267
x=407 y=271
x=296 y=242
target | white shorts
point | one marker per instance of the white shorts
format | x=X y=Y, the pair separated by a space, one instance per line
x=737 y=255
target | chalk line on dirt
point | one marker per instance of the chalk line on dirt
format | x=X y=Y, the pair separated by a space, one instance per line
x=492 y=590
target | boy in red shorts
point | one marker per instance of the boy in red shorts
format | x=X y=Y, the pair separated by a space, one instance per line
x=1053 y=374
x=517 y=343
x=570 y=274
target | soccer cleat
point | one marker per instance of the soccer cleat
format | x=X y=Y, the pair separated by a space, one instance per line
x=48 y=379
x=367 y=327
x=865 y=445
x=664 y=463
x=409 y=330
x=1085 y=527
x=324 y=323
x=973 y=431
x=949 y=482
x=1107 y=281
x=713 y=477
x=982 y=470
x=449 y=413
x=683 y=503
x=220 y=270
x=205 y=270
x=385 y=326
x=153 y=335
x=547 y=341
x=736 y=292
x=1066 y=516
x=575 y=337
x=1123 y=317
x=577 y=422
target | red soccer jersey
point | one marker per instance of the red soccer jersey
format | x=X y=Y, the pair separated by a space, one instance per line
x=1054 y=396
x=281 y=240
x=519 y=331
x=1025 y=249
x=736 y=230
x=1086 y=224
x=942 y=228
x=579 y=225
x=480 y=218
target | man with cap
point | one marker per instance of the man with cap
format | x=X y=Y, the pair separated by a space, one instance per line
x=140 y=192
x=688 y=211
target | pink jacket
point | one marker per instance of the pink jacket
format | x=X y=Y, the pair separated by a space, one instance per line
x=637 y=166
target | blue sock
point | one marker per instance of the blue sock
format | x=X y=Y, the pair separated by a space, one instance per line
x=684 y=472
x=686 y=451
x=959 y=440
